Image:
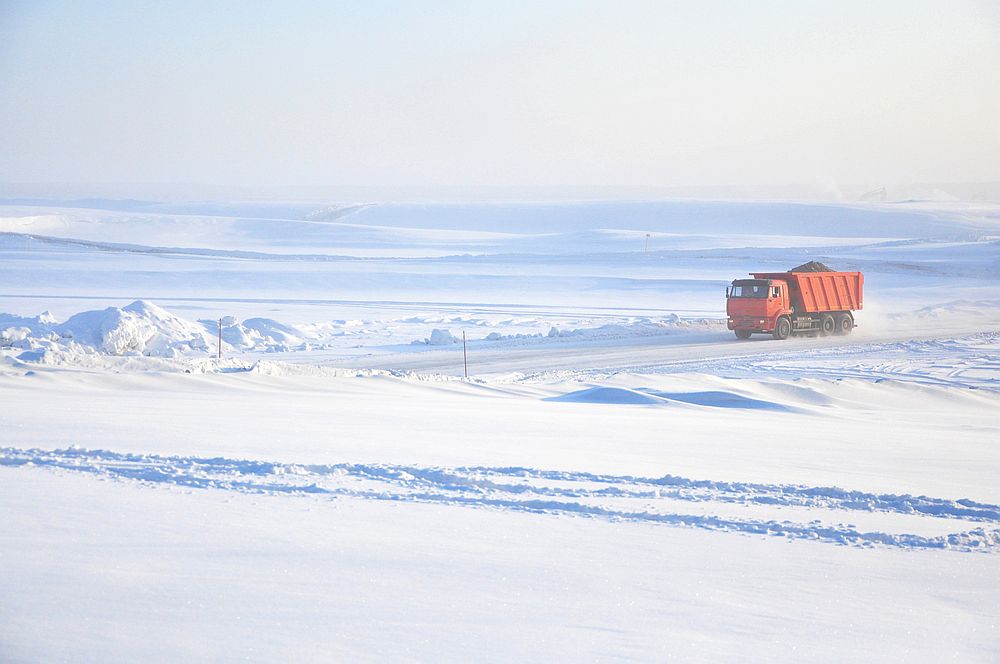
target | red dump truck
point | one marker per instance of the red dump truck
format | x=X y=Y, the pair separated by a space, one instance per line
x=809 y=299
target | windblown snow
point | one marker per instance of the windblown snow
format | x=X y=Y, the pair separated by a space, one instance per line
x=618 y=477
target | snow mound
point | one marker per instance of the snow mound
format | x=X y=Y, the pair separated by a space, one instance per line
x=608 y=395
x=439 y=338
x=13 y=334
x=272 y=329
x=442 y=338
x=256 y=333
x=17 y=331
x=141 y=328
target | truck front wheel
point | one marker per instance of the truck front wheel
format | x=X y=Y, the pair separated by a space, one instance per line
x=782 y=328
x=742 y=334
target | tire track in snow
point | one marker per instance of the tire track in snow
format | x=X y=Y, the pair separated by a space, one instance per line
x=541 y=491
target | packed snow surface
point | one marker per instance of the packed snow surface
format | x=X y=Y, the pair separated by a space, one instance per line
x=619 y=477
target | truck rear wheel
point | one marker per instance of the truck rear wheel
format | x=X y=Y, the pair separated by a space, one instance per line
x=782 y=328
x=844 y=324
x=742 y=334
x=827 y=325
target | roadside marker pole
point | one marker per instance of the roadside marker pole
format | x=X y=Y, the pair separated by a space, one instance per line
x=465 y=354
x=220 y=338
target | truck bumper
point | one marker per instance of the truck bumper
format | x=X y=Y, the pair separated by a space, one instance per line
x=748 y=323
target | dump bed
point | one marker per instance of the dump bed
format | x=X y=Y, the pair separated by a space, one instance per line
x=814 y=292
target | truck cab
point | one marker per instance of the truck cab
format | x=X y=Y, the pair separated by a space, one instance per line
x=753 y=305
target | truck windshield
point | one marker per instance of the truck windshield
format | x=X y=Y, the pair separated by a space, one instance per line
x=749 y=288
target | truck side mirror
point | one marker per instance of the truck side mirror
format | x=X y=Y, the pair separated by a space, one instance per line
x=727 y=291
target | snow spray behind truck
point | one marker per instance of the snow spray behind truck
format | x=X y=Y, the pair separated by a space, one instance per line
x=810 y=298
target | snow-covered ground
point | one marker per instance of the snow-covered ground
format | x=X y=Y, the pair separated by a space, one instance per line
x=619 y=478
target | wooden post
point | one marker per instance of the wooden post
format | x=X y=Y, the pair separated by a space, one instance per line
x=465 y=354
x=220 y=338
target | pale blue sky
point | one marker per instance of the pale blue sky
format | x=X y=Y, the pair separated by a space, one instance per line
x=430 y=94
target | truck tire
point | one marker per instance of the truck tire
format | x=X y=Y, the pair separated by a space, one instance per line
x=844 y=324
x=782 y=328
x=742 y=334
x=827 y=325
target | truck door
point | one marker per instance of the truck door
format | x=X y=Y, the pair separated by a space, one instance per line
x=776 y=301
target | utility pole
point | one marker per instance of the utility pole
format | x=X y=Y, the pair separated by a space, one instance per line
x=220 y=338
x=465 y=354
x=645 y=249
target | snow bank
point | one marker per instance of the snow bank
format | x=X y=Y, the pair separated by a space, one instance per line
x=639 y=327
x=256 y=333
x=145 y=329
x=141 y=328
x=439 y=338
x=496 y=336
x=16 y=330
x=634 y=327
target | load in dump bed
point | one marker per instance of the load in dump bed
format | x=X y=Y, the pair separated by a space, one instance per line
x=810 y=298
